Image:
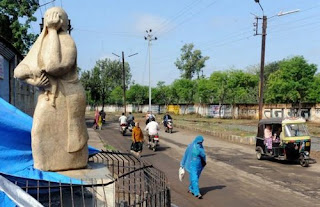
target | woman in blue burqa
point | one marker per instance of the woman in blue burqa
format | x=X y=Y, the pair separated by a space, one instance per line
x=193 y=161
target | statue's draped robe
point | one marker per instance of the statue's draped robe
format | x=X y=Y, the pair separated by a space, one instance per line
x=59 y=134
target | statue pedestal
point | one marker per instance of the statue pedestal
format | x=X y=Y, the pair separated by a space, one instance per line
x=90 y=194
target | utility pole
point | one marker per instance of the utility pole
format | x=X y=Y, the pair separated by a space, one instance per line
x=149 y=37
x=263 y=50
x=124 y=85
x=124 y=81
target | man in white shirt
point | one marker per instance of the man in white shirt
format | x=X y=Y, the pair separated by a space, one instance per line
x=123 y=119
x=152 y=127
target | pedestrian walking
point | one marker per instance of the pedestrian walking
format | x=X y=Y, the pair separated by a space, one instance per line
x=137 y=140
x=96 y=119
x=193 y=162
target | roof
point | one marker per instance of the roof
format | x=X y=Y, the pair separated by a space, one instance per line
x=271 y=121
x=282 y=121
x=7 y=50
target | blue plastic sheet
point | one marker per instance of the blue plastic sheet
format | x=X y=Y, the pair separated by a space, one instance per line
x=15 y=149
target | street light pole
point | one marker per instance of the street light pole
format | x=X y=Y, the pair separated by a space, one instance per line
x=124 y=80
x=263 y=51
x=149 y=37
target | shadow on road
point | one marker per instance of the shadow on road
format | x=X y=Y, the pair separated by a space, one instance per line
x=148 y=155
x=160 y=148
x=211 y=188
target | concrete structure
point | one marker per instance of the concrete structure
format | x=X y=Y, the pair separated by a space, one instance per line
x=311 y=112
x=16 y=92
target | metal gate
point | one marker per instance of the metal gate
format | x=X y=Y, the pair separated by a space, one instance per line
x=135 y=183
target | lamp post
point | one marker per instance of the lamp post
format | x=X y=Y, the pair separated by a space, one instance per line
x=124 y=80
x=263 y=50
x=150 y=38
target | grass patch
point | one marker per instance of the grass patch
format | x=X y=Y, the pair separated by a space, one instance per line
x=110 y=147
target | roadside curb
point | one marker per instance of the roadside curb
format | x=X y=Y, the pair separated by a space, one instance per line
x=231 y=138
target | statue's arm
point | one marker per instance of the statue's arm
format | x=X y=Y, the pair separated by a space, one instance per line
x=23 y=73
x=60 y=55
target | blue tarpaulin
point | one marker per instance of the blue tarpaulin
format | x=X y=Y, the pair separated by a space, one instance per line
x=15 y=148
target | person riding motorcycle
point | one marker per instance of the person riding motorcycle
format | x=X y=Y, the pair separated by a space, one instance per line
x=149 y=116
x=166 y=117
x=152 y=128
x=130 y=119
x=123 y=119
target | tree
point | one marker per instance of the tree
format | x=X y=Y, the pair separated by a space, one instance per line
x=162 y=94
x=314 y=90
x=103 y=79
x=191 y=62
x=291 y=83
x=185 y=90
x=218 y=84
x=242 y=87
x=12 y=13
x=137 y=94
x=116 y=96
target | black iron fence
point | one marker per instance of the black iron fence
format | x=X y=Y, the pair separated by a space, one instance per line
x=133 y=182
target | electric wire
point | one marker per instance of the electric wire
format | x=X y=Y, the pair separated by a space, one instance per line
x=178 y=15
x=165 y=32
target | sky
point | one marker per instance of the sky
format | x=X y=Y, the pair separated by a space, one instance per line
x=221 y=29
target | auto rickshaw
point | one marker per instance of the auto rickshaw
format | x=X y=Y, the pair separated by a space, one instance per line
x=290 y=140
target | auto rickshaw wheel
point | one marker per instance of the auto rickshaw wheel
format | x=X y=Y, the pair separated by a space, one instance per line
x=259 y=154
x=304 y=162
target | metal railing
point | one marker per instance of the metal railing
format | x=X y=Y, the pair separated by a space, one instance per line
x=134 y=183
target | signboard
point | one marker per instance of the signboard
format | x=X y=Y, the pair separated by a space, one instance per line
x=1 y=67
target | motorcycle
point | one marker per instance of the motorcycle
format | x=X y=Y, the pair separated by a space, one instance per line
x=153 y=142
x=169 y=126
x=123 y=128
x=131 y=125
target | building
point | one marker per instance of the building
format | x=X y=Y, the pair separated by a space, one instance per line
x=14 y=91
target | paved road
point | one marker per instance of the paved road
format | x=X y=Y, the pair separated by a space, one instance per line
x=232 y=177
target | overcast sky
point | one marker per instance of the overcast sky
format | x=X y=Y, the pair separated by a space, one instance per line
x=221 y=29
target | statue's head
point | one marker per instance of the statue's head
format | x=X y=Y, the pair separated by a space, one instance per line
x=62 y=14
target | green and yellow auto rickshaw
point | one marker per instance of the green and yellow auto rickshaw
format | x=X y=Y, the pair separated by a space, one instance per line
x=290 y=140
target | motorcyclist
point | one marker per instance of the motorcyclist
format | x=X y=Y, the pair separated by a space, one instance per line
x=149 y=116
x=130 y=119
x=166 y=117
x=152 y=128
x=123 y=119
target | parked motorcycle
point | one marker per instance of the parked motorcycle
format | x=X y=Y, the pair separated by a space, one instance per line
x=169 y=126
x=153 y=142
x=123 y=128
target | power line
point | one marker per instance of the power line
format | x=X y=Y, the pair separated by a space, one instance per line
x=179 y=14
x=191 y=17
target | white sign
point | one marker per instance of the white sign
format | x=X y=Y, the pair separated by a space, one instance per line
x=1 y=67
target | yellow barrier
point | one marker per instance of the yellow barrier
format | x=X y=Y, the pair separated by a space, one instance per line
x=173 y=109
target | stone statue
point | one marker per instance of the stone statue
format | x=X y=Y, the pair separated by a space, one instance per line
x=59 y=133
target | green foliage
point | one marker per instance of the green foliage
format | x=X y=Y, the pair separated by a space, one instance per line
x=185 y=90
x=163 y=94
x=314 y=90
x=138 y=94
x=12 y=13
x=116 y=96
x=290 y=84
x=241 y=86
x=103 y=79
x=218 y=83
x=204 y=92
x=191 y=61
